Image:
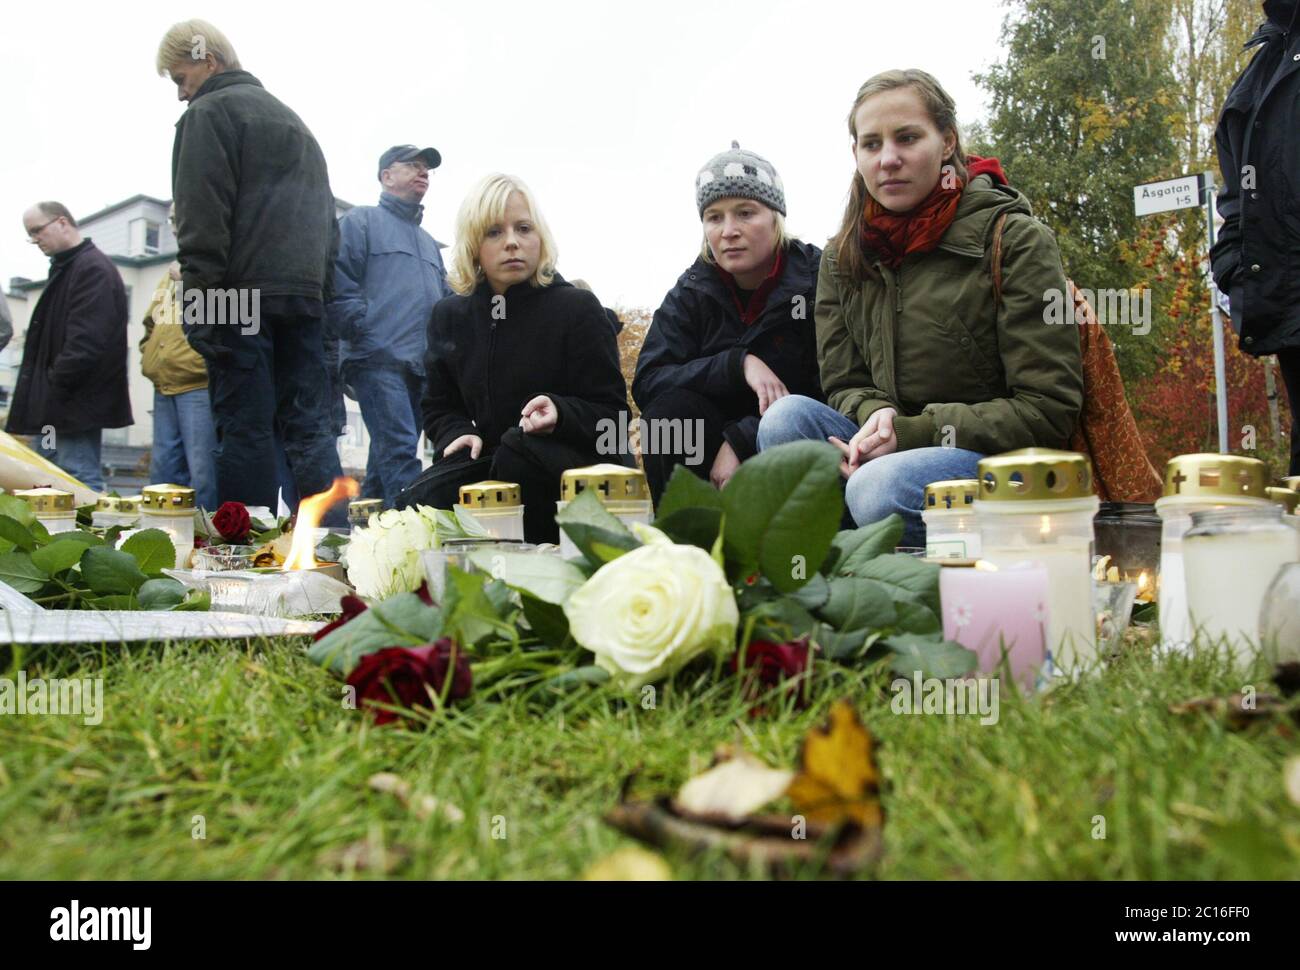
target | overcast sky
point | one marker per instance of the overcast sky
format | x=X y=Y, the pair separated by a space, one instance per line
x=606 y=109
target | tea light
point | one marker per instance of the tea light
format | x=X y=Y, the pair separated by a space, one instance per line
x=949 y=515
x=992 y=611
x=113 y=510
x=1196 y=483
x=623 y=491
x=1232 y=556
x=170 y=508
x=1036 y=506
x=497 y=506
x=360 y=510
x=53 y=508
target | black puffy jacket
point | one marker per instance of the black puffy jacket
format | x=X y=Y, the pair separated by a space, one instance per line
x=697 y=341
x=253 y=202
x=1256 y=258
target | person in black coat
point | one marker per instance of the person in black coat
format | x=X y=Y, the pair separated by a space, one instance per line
x=257 y=237
x=73 y=380
x=736 y=332
x=1256 y=258
x=521 y=372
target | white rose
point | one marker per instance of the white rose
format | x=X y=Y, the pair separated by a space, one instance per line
x=384 y=557
x=653 y=610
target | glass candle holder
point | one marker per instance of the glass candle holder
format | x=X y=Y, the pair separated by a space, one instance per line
x=53 y=507
x=360 y=510
x=170 y=508
x=111 y=510
x=1128 y=538
x=497 y=506
x=1279 y=618
x=949 y=515
x=623 y=491
x=457 y=552
x=1036 y=506
x=223 y=558
x=1232 y=556
x=1196 y=483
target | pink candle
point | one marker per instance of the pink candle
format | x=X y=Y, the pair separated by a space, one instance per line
x=991 y=611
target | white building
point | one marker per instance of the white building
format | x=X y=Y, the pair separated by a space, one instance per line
x=136 y=235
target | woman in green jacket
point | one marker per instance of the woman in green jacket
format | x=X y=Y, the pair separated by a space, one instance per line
x=928 y=366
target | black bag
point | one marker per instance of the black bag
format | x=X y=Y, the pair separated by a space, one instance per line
x=439 y=485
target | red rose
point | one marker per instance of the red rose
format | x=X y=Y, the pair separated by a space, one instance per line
x=353 y=606
x=769 y=664
x=232 y=522
x=411 y=676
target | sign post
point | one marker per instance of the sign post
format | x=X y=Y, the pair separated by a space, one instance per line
x=1189 y=192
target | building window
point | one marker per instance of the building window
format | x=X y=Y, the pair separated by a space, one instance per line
x=152 y=232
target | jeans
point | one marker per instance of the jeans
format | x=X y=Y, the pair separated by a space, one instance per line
x=389 y=395
x=78 y=454
x=183 y=442
x=893 y=483
x=264 y=383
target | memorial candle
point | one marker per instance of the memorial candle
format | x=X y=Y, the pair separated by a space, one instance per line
x=995 y=612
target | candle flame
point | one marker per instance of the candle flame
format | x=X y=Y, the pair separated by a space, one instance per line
x=985 y=566
x=1045 y=529
x=310 y=511
x=1142 y=581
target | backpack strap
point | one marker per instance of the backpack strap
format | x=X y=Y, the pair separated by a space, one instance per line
x=997 y=260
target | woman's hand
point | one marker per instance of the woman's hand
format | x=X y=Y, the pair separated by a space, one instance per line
x=471 y=441
x=539 y=416
x=174 y=271
x=764 y=383
x=724 y=466
x=875 y=438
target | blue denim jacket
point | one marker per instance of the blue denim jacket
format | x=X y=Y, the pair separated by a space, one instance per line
x=387 y=277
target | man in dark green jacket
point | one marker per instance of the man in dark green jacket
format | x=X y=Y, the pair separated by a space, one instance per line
x=256 y=233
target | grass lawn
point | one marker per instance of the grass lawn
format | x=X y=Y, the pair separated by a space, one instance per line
x=255 y=739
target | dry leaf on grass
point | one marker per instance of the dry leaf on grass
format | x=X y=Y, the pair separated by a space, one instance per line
x=735 y=787
x=629 y=864
x=838 y=780
x=1291 y=780
x=424 y=807
x=1240 y=709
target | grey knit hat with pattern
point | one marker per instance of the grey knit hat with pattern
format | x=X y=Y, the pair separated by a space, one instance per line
x=739 y=174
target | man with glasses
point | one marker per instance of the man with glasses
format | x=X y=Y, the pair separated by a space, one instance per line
x=387 y=277
x=72 y=383
x=255 y=230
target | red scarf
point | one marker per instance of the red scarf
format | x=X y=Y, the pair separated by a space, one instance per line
x=758 y=300
x=894 y=235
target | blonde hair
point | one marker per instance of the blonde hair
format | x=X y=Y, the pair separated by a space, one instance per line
x=484 y=207
x=942 y=110
x=782 y=237
x=192 y=40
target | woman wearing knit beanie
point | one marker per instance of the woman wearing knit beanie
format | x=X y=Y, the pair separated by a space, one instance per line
x=926 y=364
x=735 y=334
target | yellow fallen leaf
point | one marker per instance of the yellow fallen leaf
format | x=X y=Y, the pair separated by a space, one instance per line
x=1291 y=779
x=629 y=864
x=838 y=780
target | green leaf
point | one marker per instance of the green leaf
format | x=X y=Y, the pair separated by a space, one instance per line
x=853 y=604
x=686 y=490
x=469 y=616
x=813 y=594
x=548 y=578
x=916 y=618
x=598 y=535
x=77 y=535
x=692 y=527
x=18 y=570
x=17 y=509
x=470 y=527
x=114 y=601
x=931 y=656
x=199 y=600
x=58 y=556
x=844 y=646
x=780 y=620
x=403 y=620
x=153 y=550
x=42 y=534
x=783 y=507
x=161 y=594
x=579 y=676
x=906 y=574
x=107 y=571
x=857 y=547
x=547 y=621
x=17 y=533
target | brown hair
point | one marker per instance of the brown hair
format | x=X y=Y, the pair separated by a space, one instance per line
x=942 y=111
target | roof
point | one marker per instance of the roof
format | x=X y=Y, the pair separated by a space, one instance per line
x=122 y=205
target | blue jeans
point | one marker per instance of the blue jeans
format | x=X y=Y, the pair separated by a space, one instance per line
x=265 y=386
x=893 y=483
x=389 y=395
x=184 y=440
x=78 y=454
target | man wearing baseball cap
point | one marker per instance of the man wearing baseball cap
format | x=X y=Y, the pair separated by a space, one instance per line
x=387 y=277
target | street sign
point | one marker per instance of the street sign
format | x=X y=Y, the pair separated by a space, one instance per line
x=1170 y=194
